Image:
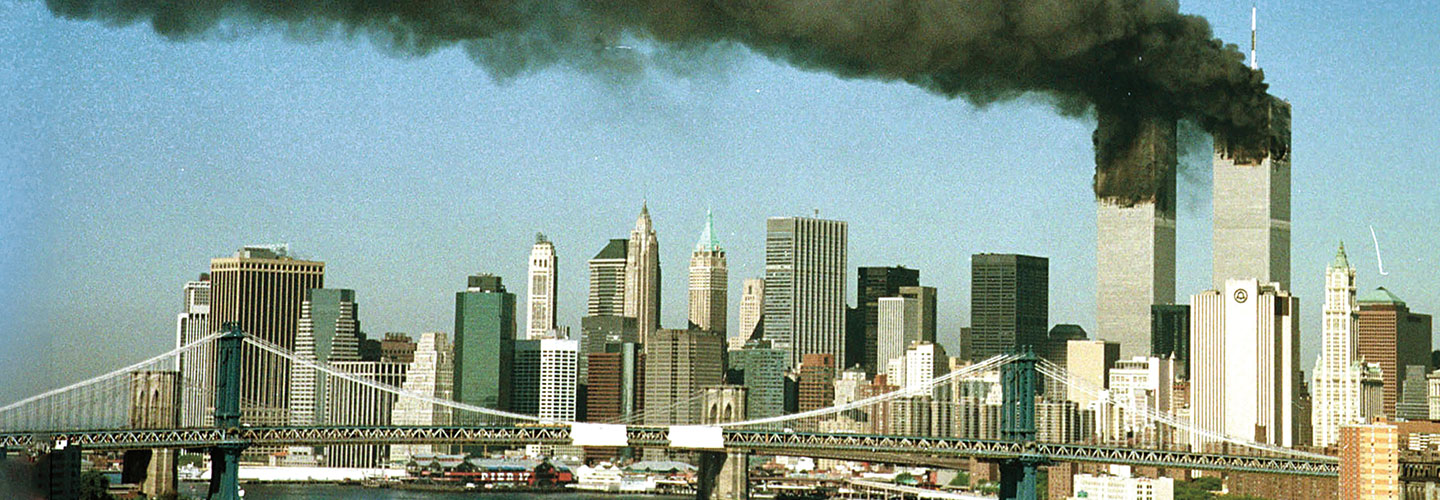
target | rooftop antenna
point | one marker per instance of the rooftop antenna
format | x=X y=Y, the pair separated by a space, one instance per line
x=1254 y=64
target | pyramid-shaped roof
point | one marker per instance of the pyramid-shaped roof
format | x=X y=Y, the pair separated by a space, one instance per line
x=1380 y=296
x=1340 y=262
x=708 y=242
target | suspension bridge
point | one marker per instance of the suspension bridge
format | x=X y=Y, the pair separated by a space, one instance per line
x=994 y=410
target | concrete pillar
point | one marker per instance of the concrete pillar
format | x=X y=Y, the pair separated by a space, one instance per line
x=723 y=476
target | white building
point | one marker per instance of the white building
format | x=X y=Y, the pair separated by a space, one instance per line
x=709 y=282
x=752 y=303
x=196 y=366
x=540 y=302
x=545 y=375
x=1245 y=362
x=895 y=324
x=1335 y=381
x=1120 y=485
x=1138 y=386
x=431 y=374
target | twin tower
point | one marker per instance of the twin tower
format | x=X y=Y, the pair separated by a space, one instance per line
x=1135 y=235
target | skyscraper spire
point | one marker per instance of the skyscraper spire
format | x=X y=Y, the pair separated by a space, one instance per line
x=642 y=275
x=709 y=281
x=1254 y=64
x=708 y=242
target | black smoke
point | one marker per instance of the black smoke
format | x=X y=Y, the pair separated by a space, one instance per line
x=1141 y=59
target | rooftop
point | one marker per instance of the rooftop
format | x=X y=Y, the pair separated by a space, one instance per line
x=1380 y=296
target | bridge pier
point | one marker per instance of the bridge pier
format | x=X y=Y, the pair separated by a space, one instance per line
x=723 y=476
x=225 y=459
x=1019 y=477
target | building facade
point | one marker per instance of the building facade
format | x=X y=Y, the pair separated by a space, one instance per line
x=678 y=364
x=1335 y=380
x=197 y=365
x=1251 y=203
x=709 y=282
x=540 y=301
x=607 y=280
x=1245 y=372
x=642 y=276
x=484 y=344
x=355 y=404
x=1009 y=303
x=543 y=382
x=762 y=371
x=873 y=284
x=752 y=304
x=1370 y=461
x=1088 y=362
x=329 y=332
x=805 y=286
x=1391 y=335
x=817 y=381
x=430 y=374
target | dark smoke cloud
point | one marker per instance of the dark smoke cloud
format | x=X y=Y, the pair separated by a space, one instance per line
x=1129 y=58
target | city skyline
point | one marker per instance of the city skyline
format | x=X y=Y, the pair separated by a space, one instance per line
x=411 y=294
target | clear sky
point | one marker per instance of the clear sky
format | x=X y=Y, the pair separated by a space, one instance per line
x=128 y=161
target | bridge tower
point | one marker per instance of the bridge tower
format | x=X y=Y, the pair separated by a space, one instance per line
x=1019 y=477
x=225 y=458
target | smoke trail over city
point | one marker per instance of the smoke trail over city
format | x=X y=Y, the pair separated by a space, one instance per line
x=1130 y=59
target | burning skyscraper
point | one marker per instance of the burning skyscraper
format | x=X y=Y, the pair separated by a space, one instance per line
x=1252 y=204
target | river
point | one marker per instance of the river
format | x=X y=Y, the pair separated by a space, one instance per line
x=276 y=491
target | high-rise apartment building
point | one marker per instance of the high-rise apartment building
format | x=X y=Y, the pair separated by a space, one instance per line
x=642 y=276
x=1252 y=205
x=329 y=332
x=263 y=288
x=1389 y=334
x=1009 y=303
x=762 y=371
x=1370 y=461
x=484 y=344
x=752 y=304
x=540 y=302
x=1135 y=234
x=196 y=366
x=709 y=282
x=679 y=363
x=1335 y=381
x=874 y=283
x=607 y=280
x=431 y=374
x=1244 y=371
x=817 y=381
x=805 y=286
x=543 y=383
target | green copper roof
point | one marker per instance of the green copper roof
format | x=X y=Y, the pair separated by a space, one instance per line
x=1380 y=296
x=708 y=242
x=616 y=249
x=1340 y=261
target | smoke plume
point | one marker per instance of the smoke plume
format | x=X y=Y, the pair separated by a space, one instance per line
x=1138 y=59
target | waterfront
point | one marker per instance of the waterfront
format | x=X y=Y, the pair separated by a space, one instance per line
x=277 y=491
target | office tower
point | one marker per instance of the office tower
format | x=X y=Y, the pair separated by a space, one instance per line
x=1139 y=386
x=921 y=363
x=1389 y=334
x=353 y=404
x=872 y=284
x=761 y=369
x=709 y=282
x=328 y=333
x=1055 y=348
x=607 y=281
x=817 y=381
x=431 y=374
x=678 y=363
x=196 y=366
x=1135 y=233
x=907 y=318
x=1088 y=362
x=397 y=347
x=1370 y=461
x=1170 y=331
x=1412 y=404
x=805 y=286
x=1245 y=365
x=614 y=391
x=752 y=303
x=1009 y=303
x=1252 y=205
x=540 y=301
x=1335 y=381
x=262 y=288
x=642 y=276
x=484 y=344
x=596 y=332
x=543 y=383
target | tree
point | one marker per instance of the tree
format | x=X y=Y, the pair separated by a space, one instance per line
x=94 y=486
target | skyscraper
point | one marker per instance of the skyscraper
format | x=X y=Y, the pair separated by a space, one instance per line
x=874 y=283
x=642 y=276
x=709 y=280
x=805 y=286
x=762 y=371
x=817 y=381
x=263 y=288
x=328 y=333
x=1389 y=334
x=678 y=363
x=430 y=374
x=596 y=332
x=612 y=393
x=1252 y=205
x=196 y=366
x=1245 y=370
x=355 y=404
x=905 y=319
x=1170 y=331
x=607 y=281
x=544 y=378
x=484 y=344
x=1009 y=303
x=540 y=302
x=752 y=303
x=1336 y=377
x=1135 y=237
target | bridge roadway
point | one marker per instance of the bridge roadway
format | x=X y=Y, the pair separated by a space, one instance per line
x=899 y=450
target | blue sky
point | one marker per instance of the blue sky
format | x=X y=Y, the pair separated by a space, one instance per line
x=127 y=161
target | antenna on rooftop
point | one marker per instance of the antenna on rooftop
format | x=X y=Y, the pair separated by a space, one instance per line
x=1254 y=64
